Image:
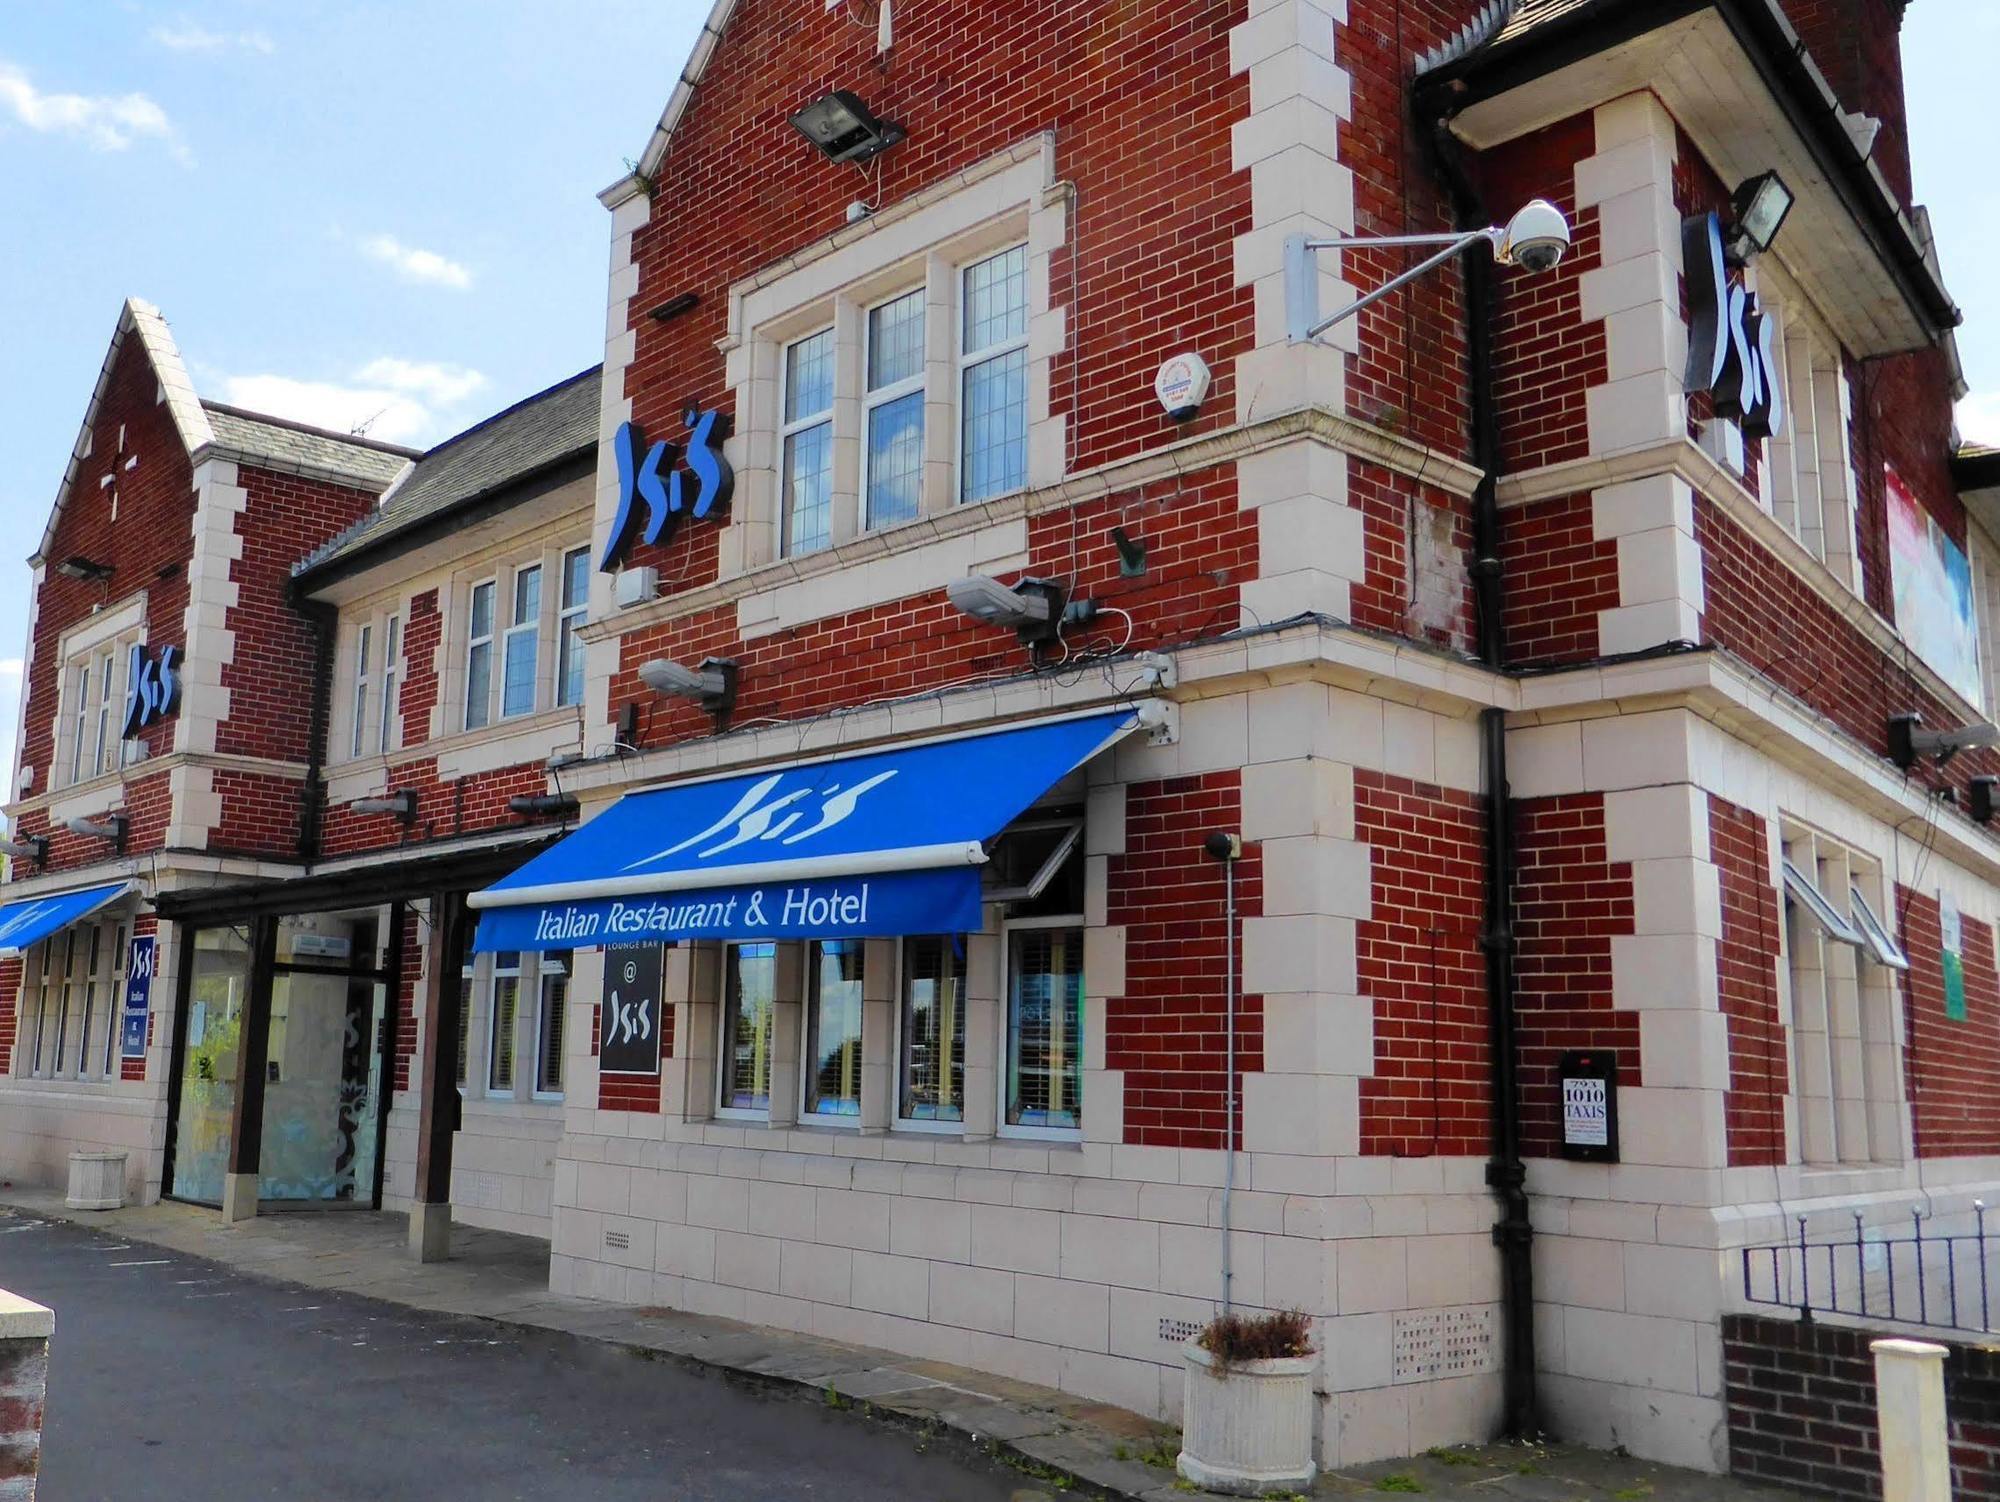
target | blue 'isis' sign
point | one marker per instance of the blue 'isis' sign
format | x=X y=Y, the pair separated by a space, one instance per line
x=648 y=474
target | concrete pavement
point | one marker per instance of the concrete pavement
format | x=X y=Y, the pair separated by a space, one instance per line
x=1047 y=1441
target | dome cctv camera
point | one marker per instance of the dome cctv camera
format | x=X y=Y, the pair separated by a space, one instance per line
x=1535 y=239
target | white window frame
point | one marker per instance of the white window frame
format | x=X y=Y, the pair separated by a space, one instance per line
x=1003 y=1127
x=386 y=739
x=872 y=400
x=723 y=1034
x=549 y=969
x=570 y=618
x=808 y=994
x=364 y=636
x=532 y=629
x=965 y=361
x=897 y=1120
x=69 y=1009
x=102 y=758
x=474 y=642
x=518 y=972
x=789 y=429
x=80 y=693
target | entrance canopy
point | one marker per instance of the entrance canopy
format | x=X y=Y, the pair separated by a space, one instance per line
x=883 y=843
x=26 y=923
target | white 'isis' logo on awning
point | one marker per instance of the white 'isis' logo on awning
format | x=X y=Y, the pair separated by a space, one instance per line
x=762 y=813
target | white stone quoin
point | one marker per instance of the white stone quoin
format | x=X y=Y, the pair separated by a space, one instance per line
x=1248 y=1430
x=96 y=1181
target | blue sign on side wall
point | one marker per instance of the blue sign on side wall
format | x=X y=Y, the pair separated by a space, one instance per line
x=138 y=995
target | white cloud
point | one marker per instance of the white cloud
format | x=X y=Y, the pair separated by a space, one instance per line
x=1979 y=418
x=189 y=36
x=108 y=122
x=398 y=401
x=416 y=265
x=433 y=381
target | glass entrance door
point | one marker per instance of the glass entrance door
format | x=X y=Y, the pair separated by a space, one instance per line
x=322 y=1089
x=218 y=992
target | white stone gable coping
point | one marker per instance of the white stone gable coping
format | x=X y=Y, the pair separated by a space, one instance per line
x=640 y=180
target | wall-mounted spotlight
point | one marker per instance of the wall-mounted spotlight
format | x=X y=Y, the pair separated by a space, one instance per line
x=89 y=569
x=29 y=847
x=111 y=827
x=1032 y=608
x=542 y=805
x=712 y=685
x=1908 y=740
x=1757 y=211
x=840 y=125
x=402 y=803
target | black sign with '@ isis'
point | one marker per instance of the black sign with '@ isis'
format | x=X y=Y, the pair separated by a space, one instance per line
x=629 y=1027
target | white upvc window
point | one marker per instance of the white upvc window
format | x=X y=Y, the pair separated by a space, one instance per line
x=72 y=985
x=930 y=1034
x=1841 y=967
x=1042 y=1065
x=479 y=655
x=364 y=643
x=892 y=465
x=80 y=734
x=806 y=472
x=749 y=1007
x=392 y=652
x=503 y=1014
x=513 y=1009
x=520 y=657
x=105 y=756
x=1808 y=475
x=831 y=1061
x=573 y=610
x=993 y=375
x=95 y=704
x=552 y=1007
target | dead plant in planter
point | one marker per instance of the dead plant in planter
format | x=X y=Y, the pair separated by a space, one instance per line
x=1234 y=1339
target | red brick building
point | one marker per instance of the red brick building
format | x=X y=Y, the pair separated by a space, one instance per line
x=1550 y=678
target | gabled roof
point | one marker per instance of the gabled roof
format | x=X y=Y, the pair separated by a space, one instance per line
x=210 y=429
x=677 y=103
x=140 y=320
x=526 y=440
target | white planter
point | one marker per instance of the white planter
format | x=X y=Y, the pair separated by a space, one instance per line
x=1248 y=1430
x=96 y=1181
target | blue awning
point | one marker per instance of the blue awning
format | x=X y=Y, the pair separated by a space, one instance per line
x=883 y=843
x=32 y=919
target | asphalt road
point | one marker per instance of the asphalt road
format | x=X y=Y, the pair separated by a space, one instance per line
x=173 y=1378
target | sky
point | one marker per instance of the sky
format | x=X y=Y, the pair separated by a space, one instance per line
x=385 y=215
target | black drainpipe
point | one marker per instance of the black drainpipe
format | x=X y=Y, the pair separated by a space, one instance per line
x=312 y=794
x=1506 y=1174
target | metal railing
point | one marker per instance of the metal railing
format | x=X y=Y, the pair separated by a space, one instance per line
x=1943 y=1280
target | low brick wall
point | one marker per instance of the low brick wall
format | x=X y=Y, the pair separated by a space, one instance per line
x=25 y=1329
x=1802 y=1408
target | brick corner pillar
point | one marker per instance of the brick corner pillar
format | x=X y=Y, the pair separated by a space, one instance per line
x=25 y=1329
x=438 y=1110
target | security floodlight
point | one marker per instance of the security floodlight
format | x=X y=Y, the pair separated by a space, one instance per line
x=402 y=803
x=1909 y=741
x=111 y=827
x=1032 y=608
x=712 y=684
x=840 y=125
x=1535 y=239
x=89 y=569
x=31 y=847
x=1758 y=209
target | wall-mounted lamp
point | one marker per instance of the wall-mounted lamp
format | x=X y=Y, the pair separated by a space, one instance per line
x=844 y=128
x=402 y=803
x=1908 y=740
x=542 y=805
x=30 y=847
x=111 y=827
x=712 y=685
x=1032 y=608
x=1131 y=553
x=89 y=569
x=1757 y=211
x=1980 y=804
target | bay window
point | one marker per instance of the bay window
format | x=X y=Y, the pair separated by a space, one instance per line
x=833 y=1029
x=749 y=991
x=930 y=1065
x=1044 y=1060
